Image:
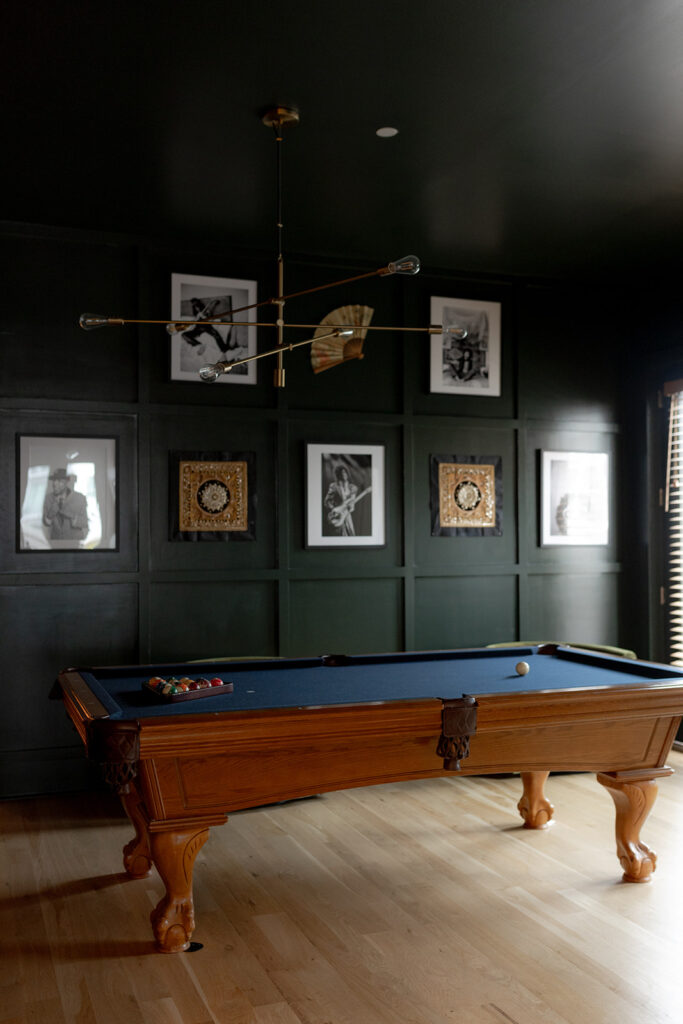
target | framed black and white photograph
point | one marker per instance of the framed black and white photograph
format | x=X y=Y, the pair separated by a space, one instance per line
x=212 y=496
x=345 y=496
x=67 y=493
x=574 y=498
x=61 y=468
x=468 y=365
x=466 y=495
x=208 y=299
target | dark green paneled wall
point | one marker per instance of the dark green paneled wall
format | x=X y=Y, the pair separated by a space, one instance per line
x=160 y=599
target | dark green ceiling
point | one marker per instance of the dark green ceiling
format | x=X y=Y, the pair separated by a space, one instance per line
x=536 y=136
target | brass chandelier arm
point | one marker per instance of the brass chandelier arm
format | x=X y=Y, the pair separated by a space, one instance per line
x=214 y=370
x=90 y=321
x=458 y=332
x=181 y=325
x=381 y=272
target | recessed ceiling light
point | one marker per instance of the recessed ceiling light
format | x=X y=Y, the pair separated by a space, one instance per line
x=386 y=133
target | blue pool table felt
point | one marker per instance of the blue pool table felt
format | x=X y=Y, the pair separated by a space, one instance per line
x=308 y=682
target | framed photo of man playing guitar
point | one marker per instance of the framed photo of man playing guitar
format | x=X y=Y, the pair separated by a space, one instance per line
x=345 y=495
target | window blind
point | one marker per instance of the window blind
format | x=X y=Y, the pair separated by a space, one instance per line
x=673 y=510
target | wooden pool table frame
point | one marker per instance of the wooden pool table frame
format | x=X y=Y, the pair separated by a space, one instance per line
x=179 y=776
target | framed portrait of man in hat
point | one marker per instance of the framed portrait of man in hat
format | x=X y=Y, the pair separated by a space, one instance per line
x=67 y=493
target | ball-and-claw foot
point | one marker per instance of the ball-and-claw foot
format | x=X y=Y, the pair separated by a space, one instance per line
x=173 y=924
x=639 y=862
x=136 y=860
x=538 y=816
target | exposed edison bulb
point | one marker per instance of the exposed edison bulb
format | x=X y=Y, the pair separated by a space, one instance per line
x=91 y=321
x=176 y=328
x=406 y=265
x=455 y=332
x=212 y=371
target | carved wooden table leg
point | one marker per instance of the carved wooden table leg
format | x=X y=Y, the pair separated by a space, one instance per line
x=173 y=917
x=634 y=793
x=137 y=856
x=536 y=810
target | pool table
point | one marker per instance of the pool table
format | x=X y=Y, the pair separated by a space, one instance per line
x=296 y=727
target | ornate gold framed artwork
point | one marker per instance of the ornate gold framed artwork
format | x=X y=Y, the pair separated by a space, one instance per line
x=466 y=495
x=214 y=496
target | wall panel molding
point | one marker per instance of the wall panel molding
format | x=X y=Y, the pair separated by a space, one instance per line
x=275 y=596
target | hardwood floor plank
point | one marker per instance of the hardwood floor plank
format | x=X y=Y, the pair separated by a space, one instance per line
x=318 y=994
x=155 y=979
x=161 y=1011
x=414 y=903
x=277 y=1013
x=11 y=997
x=38 y=1010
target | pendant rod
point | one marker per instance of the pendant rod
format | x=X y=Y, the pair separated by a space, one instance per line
x=278 y=150
x=279 y=372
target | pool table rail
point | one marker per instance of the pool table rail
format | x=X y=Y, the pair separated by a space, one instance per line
x=223 y=763
x=283 y=753
x=585 y=730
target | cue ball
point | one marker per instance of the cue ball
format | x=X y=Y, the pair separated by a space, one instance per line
x=522 y=667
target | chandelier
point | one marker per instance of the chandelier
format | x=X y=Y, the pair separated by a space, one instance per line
x=277 y=118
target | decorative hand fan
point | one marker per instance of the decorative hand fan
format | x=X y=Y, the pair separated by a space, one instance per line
x=333 y=351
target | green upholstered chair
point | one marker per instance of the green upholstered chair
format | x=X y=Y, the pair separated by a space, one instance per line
x=236 y=657
x=619 y=652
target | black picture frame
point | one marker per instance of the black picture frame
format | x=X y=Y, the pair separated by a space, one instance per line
x=102 y=432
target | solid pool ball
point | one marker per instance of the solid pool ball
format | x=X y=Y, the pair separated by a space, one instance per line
x=216 y=681
x=522 y=667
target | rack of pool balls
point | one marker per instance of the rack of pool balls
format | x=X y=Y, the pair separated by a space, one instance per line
x=186 y=688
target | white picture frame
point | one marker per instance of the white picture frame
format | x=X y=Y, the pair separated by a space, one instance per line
x=574 y=498
x=345 y=506
x=196 y=298
x=471 y=365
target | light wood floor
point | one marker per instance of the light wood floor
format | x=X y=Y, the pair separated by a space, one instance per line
x=414 y=903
